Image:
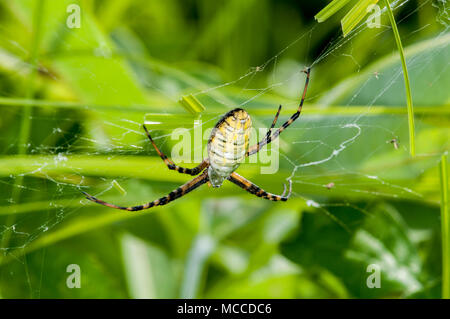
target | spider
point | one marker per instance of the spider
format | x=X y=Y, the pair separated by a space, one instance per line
x=227 y=148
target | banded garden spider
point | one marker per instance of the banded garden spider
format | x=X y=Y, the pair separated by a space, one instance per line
x=227 y=148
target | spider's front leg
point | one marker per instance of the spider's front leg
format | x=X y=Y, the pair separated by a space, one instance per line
x=172 y=166
x=269 y=138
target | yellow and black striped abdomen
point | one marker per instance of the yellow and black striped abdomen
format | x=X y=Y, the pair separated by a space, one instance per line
x=228 y=142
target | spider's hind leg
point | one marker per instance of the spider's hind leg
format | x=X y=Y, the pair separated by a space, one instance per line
x=171 y=165
x=258 y=191
x=177 y=193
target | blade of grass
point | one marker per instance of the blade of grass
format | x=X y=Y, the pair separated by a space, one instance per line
x=409 y=103
x=192 y=104
x=142 y=167
x=48 y=104
x=355 y=15
x=330 y=10
x=45 y=205
x=156 y=121
x=445 y=224
x=138 y=268
x=119 y=187
x=214 y=110
x=201 y=249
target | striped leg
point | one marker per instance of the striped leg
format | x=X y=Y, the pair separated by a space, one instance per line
x=267 y=139
x=171 y=165
x=255 y=190
x=180 y=191
x=269 y=132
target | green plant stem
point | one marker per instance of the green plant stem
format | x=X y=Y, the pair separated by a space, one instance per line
x=409 y=103
x=215 y=110
x=445 y=222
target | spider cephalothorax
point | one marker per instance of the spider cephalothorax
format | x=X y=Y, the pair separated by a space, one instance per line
x=227 y=148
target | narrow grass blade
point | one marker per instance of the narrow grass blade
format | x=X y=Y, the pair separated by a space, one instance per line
x=169 y=121
x=198 y=256
x=138 y=268
x=176 y=118
x=355 y=15
x=445 y=224
x=119 y=187
x=409 y=105
x=192 y=104
x=330 y=10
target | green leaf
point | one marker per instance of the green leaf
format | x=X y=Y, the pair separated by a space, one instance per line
x=445 y=227
x=381 y=238
x=191 y=104
x=330 y=10
x=409 y=102
x=384 y=241
x=194 y=270
x=148 y=269
x=355 y=15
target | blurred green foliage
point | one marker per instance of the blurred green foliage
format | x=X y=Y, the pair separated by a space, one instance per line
x=85 y=93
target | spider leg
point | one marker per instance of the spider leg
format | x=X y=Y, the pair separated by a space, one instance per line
x=269 y=132
x=267 y=139
x=256 y=190
x=171 y=165
x=273 y=122
x=177 y=193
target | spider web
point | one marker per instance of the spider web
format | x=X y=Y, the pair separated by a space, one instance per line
x=317 y=152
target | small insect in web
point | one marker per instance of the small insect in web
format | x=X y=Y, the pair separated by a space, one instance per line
x=227 y=148
x=394 y=142
x=330 y=185
x=376 y=74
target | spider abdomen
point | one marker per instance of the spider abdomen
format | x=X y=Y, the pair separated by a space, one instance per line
x=228 y=142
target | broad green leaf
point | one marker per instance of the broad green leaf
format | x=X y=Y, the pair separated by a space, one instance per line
x=381 y=239
x=384 y=241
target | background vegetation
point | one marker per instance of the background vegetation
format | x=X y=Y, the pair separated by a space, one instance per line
x=72 y=102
